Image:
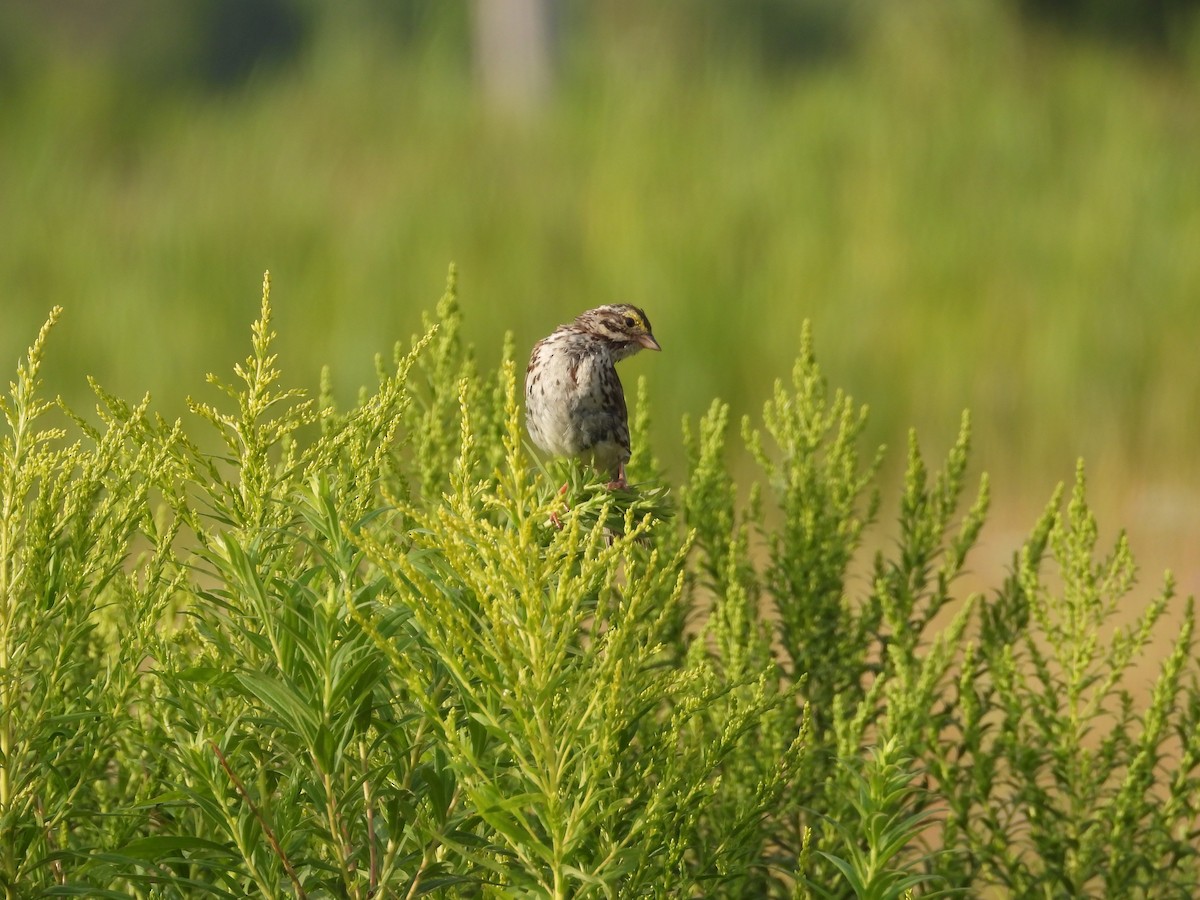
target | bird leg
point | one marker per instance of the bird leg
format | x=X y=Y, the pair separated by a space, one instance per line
x=620 y=483
x=562 y=492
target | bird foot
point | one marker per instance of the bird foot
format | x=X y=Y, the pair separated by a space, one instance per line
x=619 y=483
x=554 y=519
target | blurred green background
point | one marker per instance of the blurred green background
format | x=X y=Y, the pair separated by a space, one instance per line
x=991 y=204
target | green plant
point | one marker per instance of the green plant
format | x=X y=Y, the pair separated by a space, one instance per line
x=876 y=861
x=1059 y=778
x=77 y=619
x=379 y=652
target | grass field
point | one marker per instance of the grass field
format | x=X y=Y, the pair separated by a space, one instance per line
x=972 y=214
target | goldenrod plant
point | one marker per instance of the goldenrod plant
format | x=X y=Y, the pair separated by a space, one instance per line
x=878 y=863
x=288 y=649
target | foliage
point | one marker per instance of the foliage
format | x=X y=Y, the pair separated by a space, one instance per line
x=875 y=865
x=971 y=211
x=380 y=651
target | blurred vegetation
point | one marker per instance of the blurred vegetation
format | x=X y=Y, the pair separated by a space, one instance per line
x=991 y=204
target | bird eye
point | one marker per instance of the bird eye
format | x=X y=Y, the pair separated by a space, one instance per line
x=629 y=322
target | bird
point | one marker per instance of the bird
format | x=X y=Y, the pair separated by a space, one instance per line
x=574 y=402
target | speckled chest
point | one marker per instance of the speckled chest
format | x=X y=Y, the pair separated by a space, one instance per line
x=573 y=395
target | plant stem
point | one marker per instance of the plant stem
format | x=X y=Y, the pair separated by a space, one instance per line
x=241 y=789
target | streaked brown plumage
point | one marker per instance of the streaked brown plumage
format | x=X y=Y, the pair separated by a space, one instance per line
x=574 y=403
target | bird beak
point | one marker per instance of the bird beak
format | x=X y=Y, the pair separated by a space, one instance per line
x=647 y=340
